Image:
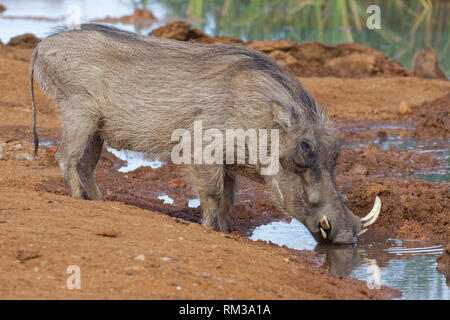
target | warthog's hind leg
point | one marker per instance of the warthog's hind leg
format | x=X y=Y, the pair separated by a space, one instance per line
x=226 y=201
x=66 y=162
x=79 y=151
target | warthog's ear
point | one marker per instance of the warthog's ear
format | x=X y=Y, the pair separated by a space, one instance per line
x=281 y=116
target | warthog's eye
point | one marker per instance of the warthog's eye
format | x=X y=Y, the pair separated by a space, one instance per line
x=305 y=146
x=303 y=157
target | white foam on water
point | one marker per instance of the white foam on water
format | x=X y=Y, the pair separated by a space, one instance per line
x=194 y=203
x=166 y=198
x=134 y=160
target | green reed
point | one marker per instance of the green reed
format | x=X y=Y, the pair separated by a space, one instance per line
x=407 y=25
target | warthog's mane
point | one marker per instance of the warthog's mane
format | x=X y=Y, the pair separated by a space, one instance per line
x=252 y=60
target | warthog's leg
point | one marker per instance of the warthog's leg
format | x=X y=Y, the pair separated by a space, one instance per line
x=68 y=167
x=216 y=188
x=79 y=131
x=86 y=166
x=226 y=201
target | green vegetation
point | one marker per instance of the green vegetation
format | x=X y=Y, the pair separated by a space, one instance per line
x=407 y=26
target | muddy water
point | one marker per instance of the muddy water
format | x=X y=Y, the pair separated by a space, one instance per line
x=409 y=266
x=399 y=136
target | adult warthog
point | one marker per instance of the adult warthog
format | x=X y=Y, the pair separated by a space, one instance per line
x=135 y=91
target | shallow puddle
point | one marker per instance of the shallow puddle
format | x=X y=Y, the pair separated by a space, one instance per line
x=438 y=149
x=406 y=265
x=134 y=160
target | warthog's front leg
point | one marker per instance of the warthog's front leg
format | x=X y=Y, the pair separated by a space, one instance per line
x=216 y=187
x=86 y=166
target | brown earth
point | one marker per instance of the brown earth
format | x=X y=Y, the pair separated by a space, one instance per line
x=183 y=31
x=43 y=230
x=433 y=119
x=25 y=41
x=309 y=59
x=127 y=252
x=141 y=18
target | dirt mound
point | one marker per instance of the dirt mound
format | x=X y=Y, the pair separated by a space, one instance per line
x=183 y=31
x=426 y=65
x=24 y=41
x=411 y=209
x=433 y=119
x=142 y=18
x=178 y=30
x=309 y=59
x=314 y=59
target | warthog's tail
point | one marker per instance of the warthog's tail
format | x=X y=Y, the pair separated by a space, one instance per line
x=33 y=105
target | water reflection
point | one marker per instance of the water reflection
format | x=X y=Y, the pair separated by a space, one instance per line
x=409 y=266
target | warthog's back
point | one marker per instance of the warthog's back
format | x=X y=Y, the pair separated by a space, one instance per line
x=143 y=88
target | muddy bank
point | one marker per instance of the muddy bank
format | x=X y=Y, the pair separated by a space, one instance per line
x=412 y=209
x=309 y=59
x=433 y=119
x=127 y=252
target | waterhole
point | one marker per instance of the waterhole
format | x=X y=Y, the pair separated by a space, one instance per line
x=406 y=265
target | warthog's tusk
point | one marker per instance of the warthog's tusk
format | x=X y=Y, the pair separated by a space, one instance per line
x=324 y=234
x=373 y=214
x=361 y=232
x=324 y=223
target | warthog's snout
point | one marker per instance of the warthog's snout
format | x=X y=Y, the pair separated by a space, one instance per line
x=347 y=232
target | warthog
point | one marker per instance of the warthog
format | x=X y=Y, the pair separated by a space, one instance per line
x=133 y=91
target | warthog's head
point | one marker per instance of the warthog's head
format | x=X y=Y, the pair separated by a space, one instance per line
x=304 y=184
